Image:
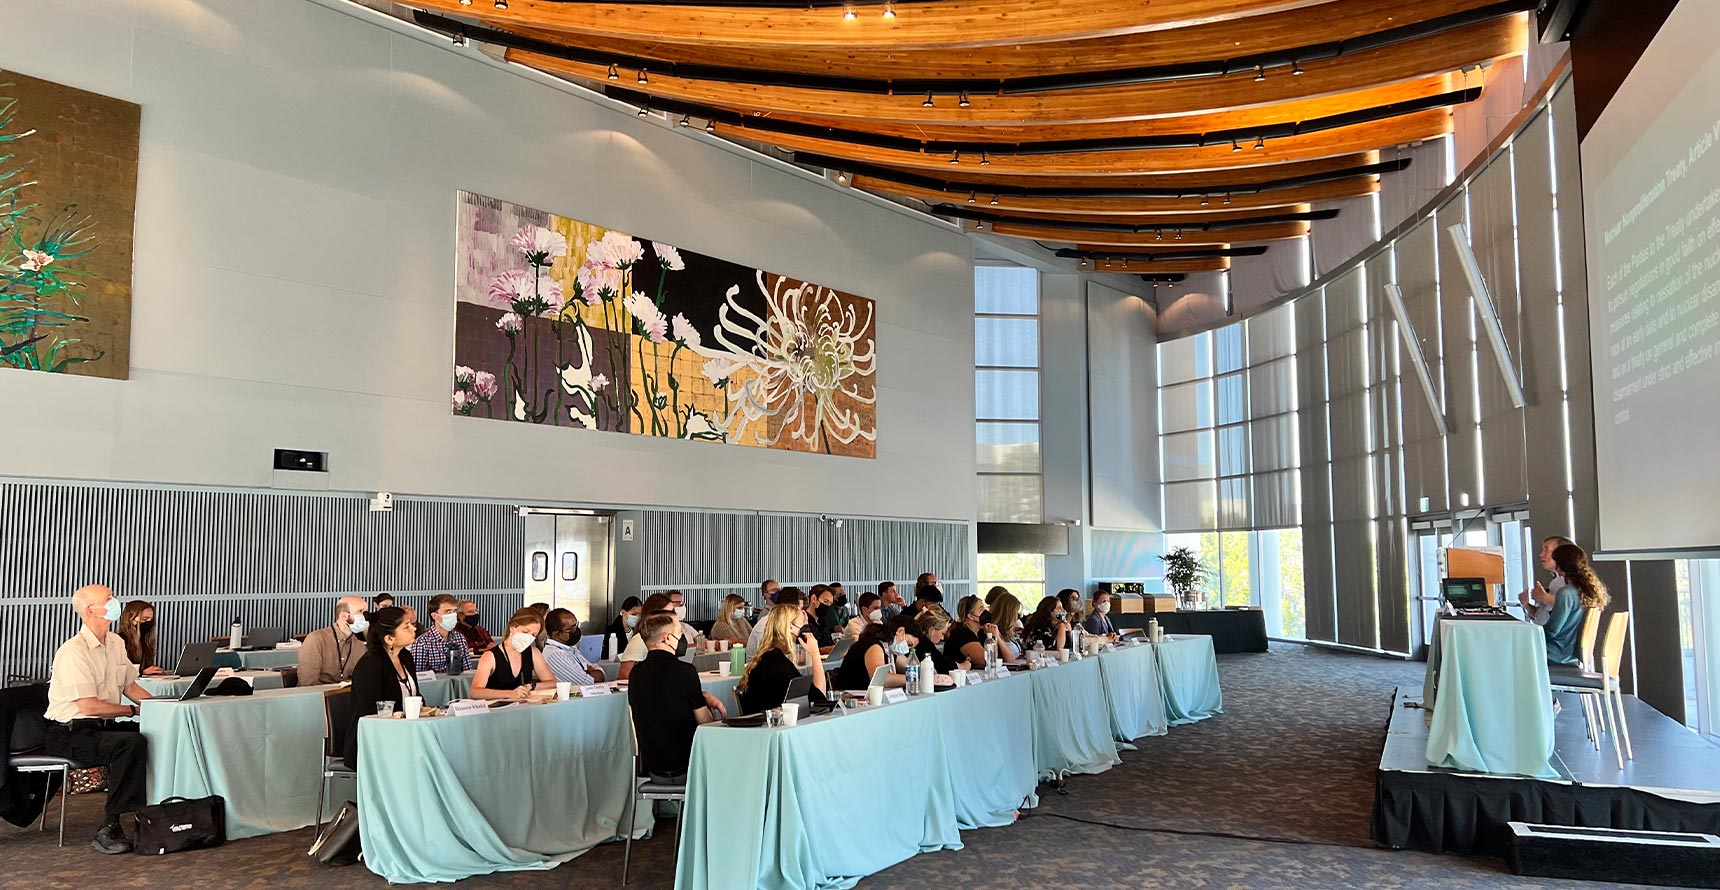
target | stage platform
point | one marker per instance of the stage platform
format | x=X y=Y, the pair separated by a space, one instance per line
x=1672 y=785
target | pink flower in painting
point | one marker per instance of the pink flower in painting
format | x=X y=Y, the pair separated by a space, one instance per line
x=615 y=250
x=597 y=282
x=35 y=260
x=510 y=323
x=540 y=245
x=719 y=370
x=484 y=384
x=668 y=256
x=649 y=316
x=598 y=382
x=522 y=291
x=463 y=375
x=464 y=401
x=684 y=332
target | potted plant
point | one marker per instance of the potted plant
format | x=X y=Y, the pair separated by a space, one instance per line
x=1184 y=572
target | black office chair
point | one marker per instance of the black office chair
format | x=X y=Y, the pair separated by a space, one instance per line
x=337 y=722
x=653 y=788
x=24 y=749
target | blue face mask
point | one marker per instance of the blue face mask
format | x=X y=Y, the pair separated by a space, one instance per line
x=900 y=647
x=112 y=612
x=447 y=621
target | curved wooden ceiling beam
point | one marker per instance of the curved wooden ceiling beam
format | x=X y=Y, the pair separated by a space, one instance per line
x=1275 y=33
x=1279 y=232
x=1238 y=179
x=1345 y=140
x=950 y=23
x=1101 y=208
x=1228 y=220
x=1428 y=57
x=1227 y=119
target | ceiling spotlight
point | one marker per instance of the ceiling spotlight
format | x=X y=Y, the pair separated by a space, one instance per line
x=1296 y=69
x=842 y=178
x=848 y=14
x=994 y=200
x=686 y=121
x=1259 y=73
x=465 y=2
x=956 y=158
x=644 y=110
x=1159 y=235
x=1259 y=142
x=501 y=4
x=614 y=74
x=459 y=38
x=642 y=77
x=1204 y=200
x=710 y=126
x=1234 y=146
x=962 y=100
x=1179 y=234
x=889 y=9
x=983 y=160
x=1227 y=197
x=928 y=102
x=972 y=197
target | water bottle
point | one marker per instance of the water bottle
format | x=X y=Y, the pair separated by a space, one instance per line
x=236 y=635
x=1152 y=630
x=455 y=665
x=990 y=652
x=913 y=677
x=928 y=673
x=615 y=647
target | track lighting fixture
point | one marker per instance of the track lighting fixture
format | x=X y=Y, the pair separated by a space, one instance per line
x=1179 y=234
x=1204 y=200
x=465 y=2
x=983 y=160
x=841 y=177
x=710 y=126
x=686 y=121
x=972 y=197
x=1259 y=73
x=459 y=38
x=1296 y=69
x=956 y=158
x=501 y=4
x=642 y=77
x=994 y=200
x=1226 y=197
x=928 y=102
x=963 y=100
x=848 y=14
x=1159 y=235
x=1259 y=142
x=614 y=74
x=889 y=9
x=644 y=110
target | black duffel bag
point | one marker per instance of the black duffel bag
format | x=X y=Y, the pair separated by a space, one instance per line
x=179 y=823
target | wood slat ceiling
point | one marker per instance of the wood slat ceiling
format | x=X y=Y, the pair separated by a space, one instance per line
x=1061 y=96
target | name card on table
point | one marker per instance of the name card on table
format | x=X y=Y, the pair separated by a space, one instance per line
x=595 y=689
x=426 y=676
x=467 y=707
x=895 y=696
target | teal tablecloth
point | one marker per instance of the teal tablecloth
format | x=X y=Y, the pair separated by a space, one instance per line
x=439 y=692
x=1188 y=674
x=260 y=659
x=1133 y=692
x=262 y=753
x=1072 y=719
x=989 y=750
x=1494 y=710
x=527 y=787
x=176 y=686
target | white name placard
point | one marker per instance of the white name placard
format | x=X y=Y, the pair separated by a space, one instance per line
x=467 y=707
x=426 y=676
x=595 y=690
x=895 y=696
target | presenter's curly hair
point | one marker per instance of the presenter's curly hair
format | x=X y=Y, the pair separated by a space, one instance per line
x=1574 y=567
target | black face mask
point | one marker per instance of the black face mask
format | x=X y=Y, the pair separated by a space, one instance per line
x=842 y=601
x=573 y=635
x=985 y=617
x=146 y=626
x=680 y=645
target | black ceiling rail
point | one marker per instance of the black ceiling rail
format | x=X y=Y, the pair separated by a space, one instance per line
x=1256 y=64
x=956 y=187
x=754 y=4
x=960 y=212
x=1165 y=256
x=1256 y=135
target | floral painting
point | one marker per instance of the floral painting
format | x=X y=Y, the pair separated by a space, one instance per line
x=567 y=323
x=68 y=193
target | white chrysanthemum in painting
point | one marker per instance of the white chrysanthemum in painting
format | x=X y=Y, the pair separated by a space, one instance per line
x=668 y=256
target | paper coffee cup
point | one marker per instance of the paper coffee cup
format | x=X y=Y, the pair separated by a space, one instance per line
x=412 y=705
x=562 y=691
x=724 y=669
x=1063 y=656
x=958 y=678
x=790 y=713
x=875 y=695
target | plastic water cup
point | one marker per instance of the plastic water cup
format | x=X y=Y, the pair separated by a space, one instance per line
x=412 y=705
x=1063 y=656
x=562 y=691
x=385 y=709
x=722 y=645
x=958 y=678
x=724 y=669
x=875 y=695
x=790 y=713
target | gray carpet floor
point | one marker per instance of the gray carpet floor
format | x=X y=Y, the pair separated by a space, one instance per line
x=1275 y=793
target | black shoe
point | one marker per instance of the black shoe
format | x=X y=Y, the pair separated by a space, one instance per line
x=111 y=839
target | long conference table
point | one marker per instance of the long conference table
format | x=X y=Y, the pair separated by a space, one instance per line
x=531 y=786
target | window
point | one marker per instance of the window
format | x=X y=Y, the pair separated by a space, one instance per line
x=1699 y=636
x=1006 y=395
x=1022 y=573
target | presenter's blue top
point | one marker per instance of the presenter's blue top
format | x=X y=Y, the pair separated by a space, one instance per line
x=1565 y=620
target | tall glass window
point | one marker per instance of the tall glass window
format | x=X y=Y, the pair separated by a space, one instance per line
x=1006 y=425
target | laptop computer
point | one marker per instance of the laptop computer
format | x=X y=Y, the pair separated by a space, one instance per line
x=195 y=690
x=800 y=692
x=1465 y=593
x=195 y=658
x=841 y=648
x=263 y=638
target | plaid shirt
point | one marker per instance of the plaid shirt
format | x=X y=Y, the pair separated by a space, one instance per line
x=431 y=650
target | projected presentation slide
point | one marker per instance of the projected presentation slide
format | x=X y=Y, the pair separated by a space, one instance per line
x=1651 y=174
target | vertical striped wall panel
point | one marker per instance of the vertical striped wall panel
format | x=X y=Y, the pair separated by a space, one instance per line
x=793 y=549
x=700 y=548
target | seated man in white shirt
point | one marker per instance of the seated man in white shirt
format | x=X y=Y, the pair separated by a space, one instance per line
x=91 y=673
x=561 y=651
x=636 y=650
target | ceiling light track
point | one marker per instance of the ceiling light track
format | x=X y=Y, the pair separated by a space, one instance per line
x=957 y=212
x=1291 y=59
x=1162 y=256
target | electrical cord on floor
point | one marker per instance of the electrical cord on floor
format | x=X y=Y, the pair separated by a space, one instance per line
x=1026 y=814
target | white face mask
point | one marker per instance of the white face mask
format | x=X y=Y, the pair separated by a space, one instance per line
x=681 y=612
x=448 y=621
x=876 y=616
x=521 y=641
x=359 y=623
x=111 y=613
x=1104 y=606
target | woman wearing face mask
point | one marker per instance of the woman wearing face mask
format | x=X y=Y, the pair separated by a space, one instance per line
x=1048 y=626
x=1070 y=598
x=966 y=641
x=1099 y=623
x=384 y=674
x=821 y=608
x=623 y=627
x=515 y=667
x=871 y=612
x=1006 y=626
x=137 y=628
x=874 y=647
x=732 y=622
x=769 y=671
x=934 y=624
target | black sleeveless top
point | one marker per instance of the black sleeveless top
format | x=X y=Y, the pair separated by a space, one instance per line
x=852 y=675
x=502 y=677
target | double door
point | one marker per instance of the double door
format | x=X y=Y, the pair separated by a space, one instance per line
x=568 y=562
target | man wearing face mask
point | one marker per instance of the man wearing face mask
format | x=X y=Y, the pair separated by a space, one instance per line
x=330 y=653
x=91 y=672
x=561 y=650
x=477 y=638
x=768 y=590
x=439 y=648
x=870 y=611
x=636 y=650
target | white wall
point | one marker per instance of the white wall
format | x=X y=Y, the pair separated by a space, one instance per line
x=1124 y=414
x=294 y=269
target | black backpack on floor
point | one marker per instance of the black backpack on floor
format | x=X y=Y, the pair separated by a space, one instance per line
x=178 y=823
